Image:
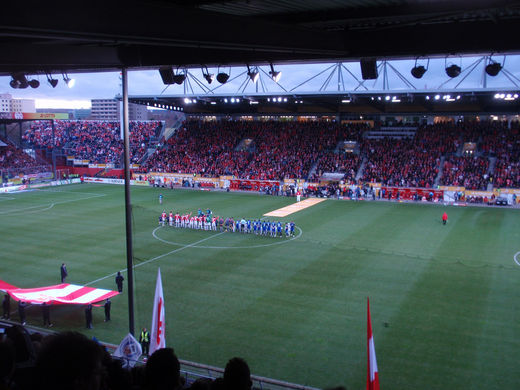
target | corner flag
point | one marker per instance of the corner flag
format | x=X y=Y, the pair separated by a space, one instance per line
x=158 y=339
x=372 y=375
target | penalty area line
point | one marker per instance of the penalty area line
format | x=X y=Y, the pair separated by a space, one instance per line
x=193 y=244
x=515 y=258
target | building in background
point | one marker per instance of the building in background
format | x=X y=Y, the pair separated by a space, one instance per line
x=81 y=113
x=67 y=111
x=110 y=110
x=9 y=104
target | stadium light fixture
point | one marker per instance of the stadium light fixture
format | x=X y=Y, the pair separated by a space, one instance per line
x=223 y=77
x=493 y=68
x=18 y=81
x=178 y=78
x=275 y=75
x=52 y=82
x=34 y=83
x=208 y=76
x=419 y=71
x=70 y=82
x=253 y=74
x=452 y=70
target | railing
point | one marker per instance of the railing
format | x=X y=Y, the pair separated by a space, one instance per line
x=192 y=371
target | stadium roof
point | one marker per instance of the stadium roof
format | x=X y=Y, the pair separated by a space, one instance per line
x=354 y=103
x=61 y=36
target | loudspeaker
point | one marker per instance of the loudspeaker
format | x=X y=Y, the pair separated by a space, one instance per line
x=166 y=75
x=368 y=69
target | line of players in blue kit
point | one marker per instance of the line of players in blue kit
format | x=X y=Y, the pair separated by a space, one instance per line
x=209 y=222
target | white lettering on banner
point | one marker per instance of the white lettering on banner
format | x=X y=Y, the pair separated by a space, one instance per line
x=13 y=188
x=115 y=181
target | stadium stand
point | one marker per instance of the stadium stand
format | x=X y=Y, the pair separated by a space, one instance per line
x=473 y=154
x=14 y=161
x=98 y=142
x=278 y=149
x=71 y=360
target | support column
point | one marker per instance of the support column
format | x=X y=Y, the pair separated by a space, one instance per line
x=128 y=204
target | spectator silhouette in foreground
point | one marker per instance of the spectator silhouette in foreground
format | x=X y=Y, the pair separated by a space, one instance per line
x=7 y=354
x=6 y=306
x=163 y=370
x=69 y=361
x=237 y=375
x=46 y=314
x=21 y=311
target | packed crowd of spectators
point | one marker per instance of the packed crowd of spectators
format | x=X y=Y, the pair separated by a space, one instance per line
x=14 y=161
x=416 y=162
x=346 y=163
x=504 y=144
x=72 y=361
x=278 y=149
x=469 y=172
x=96 y=141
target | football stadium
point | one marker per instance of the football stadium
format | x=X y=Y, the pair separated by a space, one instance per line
x=265 y=239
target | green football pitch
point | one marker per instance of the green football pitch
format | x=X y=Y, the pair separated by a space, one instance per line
x=445 y=300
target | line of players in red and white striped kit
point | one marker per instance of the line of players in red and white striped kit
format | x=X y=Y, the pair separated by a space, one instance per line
x=207 y=221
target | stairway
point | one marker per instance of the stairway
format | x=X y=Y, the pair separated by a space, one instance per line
x=491 y=171
x=359 y=173
x=439 y=175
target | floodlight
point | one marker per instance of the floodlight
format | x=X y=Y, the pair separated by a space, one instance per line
x=222 y=77
x=179 y=78
x=208 y=76
x=453 y=70
x=18 y=81
x=34 y=83
x=253 y=75
x=418 y=71
x=276 y=76
x=493 y=68
x=51 y=81
x=70 y=82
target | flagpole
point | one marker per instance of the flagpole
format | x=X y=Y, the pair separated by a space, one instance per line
x=372 y=371
x=128 y=204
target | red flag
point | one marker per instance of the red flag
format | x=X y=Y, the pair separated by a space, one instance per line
x=372 y=375
x=158 y=339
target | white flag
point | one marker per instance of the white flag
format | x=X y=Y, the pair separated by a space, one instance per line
x=129 y=351
x=158 y=339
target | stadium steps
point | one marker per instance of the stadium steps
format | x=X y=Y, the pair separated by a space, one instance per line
x=439 y=175
x=391 y=132
x=245 y=144
x=491 y=171
x=312 y=171
x=359 y=173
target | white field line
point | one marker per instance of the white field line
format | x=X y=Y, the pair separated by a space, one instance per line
x=50 y=205
x=157 y=257
x=284 y=241
x=515 y=258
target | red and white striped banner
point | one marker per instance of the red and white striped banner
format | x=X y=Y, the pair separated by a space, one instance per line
x=59 y=294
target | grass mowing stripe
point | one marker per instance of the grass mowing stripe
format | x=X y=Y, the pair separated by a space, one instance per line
x=296 y=311
x=157 y=257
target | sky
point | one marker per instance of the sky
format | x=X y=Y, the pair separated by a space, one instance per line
x=105 y=85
